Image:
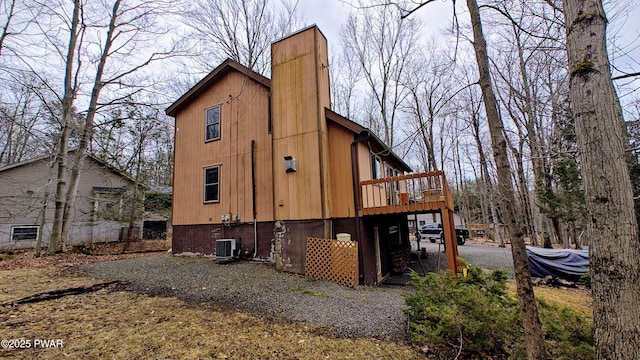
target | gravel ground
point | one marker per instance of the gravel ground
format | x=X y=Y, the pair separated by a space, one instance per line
x=258 y=289
x=485 y=256
x=488 y=257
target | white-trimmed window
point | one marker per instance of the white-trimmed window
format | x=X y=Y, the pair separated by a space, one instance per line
x=212 y=123
x=24 y=233
x=212 y=184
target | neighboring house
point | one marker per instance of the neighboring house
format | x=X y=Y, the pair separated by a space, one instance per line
x=157 y=213
x=27 y=193
x=259 y=159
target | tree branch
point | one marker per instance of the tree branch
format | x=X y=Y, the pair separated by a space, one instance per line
x=58 y=293
x=619 y=77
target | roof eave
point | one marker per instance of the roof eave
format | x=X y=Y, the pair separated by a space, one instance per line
x=357 y=129
x=214 y=76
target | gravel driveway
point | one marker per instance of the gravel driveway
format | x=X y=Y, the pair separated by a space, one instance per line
x=485 y=256
x=258 y=289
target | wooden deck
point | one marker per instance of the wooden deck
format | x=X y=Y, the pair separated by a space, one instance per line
x=412 y=193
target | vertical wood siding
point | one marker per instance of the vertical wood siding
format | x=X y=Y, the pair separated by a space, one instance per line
x=244 y=117
x=340 y=168
x=300 y=94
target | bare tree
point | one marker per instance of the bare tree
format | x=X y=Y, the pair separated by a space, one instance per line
x=240 y=30
x=612 y=228
x=115 y=52
x=128 y=25
x=534 y=338
x=22 y=115
x=345 y=76
x=137 y=140
x=469 y=107
x=383 y=45
x=9 y=9
x=70 y=86
x=429 y=83
x=527 y=63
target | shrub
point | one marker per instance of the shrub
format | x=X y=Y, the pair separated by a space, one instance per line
x=473 y=313
x=568 y=334
x=585 y=279
x=475 y=316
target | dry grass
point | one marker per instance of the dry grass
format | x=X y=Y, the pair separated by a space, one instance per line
x=579 y=300
x=18 y=283
x=116 y=324
x=576 y=299
x=125 y=325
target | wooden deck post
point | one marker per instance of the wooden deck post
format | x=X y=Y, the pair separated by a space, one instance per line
x=448 y=227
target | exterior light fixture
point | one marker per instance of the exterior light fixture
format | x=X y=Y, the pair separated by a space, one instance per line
x=289 y=164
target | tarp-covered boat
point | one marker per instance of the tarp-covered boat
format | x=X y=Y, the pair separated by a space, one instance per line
x=564 y=263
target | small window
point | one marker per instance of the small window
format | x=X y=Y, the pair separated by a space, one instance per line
x=26 y=233
x=376 y=167
x=212 y=184
x=212 y=129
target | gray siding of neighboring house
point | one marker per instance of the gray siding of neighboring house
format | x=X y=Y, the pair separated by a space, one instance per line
x=24 y=188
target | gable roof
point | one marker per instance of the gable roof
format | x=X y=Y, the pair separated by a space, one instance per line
x=217 y=73
x=51 y=156
x=359 y=129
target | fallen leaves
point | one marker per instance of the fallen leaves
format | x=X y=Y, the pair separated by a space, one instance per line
x=117 y=324
x=98 y=253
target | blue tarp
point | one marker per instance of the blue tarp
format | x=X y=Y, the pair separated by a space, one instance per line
x=564 y=263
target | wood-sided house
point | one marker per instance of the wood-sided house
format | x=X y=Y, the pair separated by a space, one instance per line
x=27 y=203
x=257 y=156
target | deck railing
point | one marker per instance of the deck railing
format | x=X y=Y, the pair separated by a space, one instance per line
x=405 y=193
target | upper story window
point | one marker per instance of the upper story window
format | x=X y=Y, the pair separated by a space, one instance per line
x=212 y=124
x=212 y=184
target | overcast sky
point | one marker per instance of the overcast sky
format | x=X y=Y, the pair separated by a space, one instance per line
x=329 y=15
x=436 y=17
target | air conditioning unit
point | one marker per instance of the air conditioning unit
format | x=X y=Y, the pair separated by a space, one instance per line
x=225 y=248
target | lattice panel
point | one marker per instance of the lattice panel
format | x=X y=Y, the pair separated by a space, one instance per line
x=332 y=260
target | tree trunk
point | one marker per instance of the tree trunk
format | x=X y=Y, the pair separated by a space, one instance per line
x=486 y=188
x=612 y=229
x=56 y=239
x=534 y=338
x=534 y=143
x=87 y=133
x=522 y=186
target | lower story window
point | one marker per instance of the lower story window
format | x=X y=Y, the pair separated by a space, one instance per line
x=28 y=233
x=212 y=184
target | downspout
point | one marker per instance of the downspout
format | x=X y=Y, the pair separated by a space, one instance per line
x=253 y=197
x=323 y=190
x=355 y=180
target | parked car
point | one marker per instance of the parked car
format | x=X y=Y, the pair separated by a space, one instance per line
x=433 y=232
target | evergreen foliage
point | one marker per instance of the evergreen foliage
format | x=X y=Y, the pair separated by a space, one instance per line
x=476 y=317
